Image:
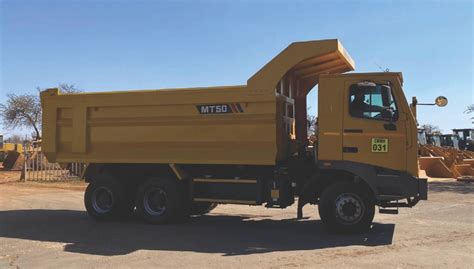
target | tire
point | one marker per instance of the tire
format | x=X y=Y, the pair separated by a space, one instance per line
x=162 y=200
x=201 y=208
x=347 y=207
x=106 y=199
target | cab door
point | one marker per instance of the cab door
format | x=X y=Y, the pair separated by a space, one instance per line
x=374 y=132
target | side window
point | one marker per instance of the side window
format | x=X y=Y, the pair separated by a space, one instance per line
x=372 y=101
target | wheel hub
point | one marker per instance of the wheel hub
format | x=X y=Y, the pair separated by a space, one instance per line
x=349 y=208
x=102 y=200
x=154 y=201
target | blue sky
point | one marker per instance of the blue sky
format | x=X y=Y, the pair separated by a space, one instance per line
x=118 y=45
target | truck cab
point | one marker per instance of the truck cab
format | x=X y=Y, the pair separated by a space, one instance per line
x=367 y=131
x=370 y=123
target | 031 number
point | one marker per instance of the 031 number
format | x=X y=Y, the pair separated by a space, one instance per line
x=379 y=145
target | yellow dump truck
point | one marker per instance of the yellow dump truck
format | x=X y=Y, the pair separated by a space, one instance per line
x=170 y=153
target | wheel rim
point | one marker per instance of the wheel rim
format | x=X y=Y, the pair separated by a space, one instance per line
x=154 y=201
x=102 y=200
x=349 y=208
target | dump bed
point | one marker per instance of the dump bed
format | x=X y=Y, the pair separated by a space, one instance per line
x=248 y=124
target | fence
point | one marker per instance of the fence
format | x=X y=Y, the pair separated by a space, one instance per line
x=37 y=168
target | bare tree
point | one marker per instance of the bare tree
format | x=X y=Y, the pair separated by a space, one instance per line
x=312 y=128
x=469 y=109
x=312 y=125
x=22 y=110
x=68 y=88
x=430 y=128
x=14 y=139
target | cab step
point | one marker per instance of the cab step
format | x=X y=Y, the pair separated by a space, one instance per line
x=388 y=211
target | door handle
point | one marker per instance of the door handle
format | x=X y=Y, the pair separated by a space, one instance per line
x=350 y=149
x=353 y=131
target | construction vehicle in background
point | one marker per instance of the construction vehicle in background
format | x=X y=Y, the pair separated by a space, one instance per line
x=422 y=140
x=440 y=140
x=466 y=138
x=443 y=140
x=446 y=162
x=190 y=149
x=434 y=139
x=449 y=140
x=445 y=155
x=11 y=155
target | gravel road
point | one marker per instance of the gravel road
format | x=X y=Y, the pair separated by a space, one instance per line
x=45 y=226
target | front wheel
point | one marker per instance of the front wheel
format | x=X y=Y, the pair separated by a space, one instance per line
x=347 y=207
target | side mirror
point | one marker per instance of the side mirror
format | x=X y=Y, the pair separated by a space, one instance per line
x=387 y=114
x=441 y=101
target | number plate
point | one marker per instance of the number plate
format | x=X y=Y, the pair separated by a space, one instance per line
x=379 y=144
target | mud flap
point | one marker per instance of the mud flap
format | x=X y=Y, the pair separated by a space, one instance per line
x=423 y=188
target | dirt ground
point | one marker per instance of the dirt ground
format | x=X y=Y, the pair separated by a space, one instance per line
x=44 y=225
x=9 y=176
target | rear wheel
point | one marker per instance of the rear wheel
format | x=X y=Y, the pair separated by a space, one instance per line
x=347 y=207
x=107 y=199
x=162 y=200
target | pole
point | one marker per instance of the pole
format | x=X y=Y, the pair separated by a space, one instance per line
x=25 y=163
